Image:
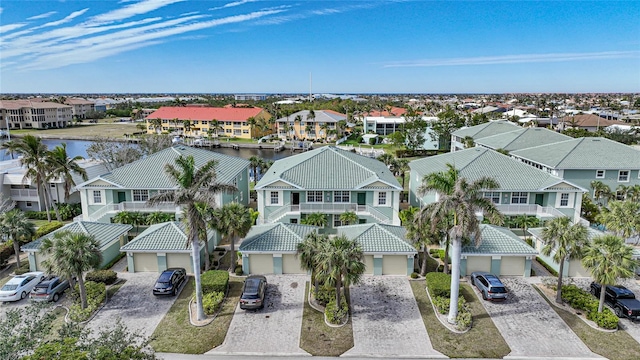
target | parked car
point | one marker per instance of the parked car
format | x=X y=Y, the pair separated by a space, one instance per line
x=49 y=290
x=19 y=286
x=622 y=300
x=489 y=285
x=170 y=281
x=253 y=292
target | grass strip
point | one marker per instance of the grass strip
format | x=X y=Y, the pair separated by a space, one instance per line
x=471 y=344
x=317 y=338
x=618 y=345
x=176 y=334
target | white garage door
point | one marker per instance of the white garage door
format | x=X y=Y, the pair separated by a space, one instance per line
x=368 y=262
x=261 y=263
x=394 y=265
x=291 y=265
x=512 y=266
x=145 y=262
x=180 y=261
x=478 y=263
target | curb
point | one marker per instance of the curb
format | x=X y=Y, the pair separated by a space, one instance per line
x=446 y=325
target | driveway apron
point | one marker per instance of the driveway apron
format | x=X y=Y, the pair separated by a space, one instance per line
x=274 y=330
x=531 y=328
x=386 y=320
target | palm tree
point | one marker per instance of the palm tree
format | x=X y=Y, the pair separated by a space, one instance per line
x=215 y=126
x=186 y=124
x=341 y=263
x=622 y=192
x=63 y=167
x=315 y=219
x=608 y=258
x=70 y=254
x=122 y=217
x=308 y=251
x=233 y=220
x=308 y=129
x=15 y=224
x=254 y=162
x=34 y=157
x=323 y=128
x=195 y=185
x=566 y=241
x=349 y=218
x=297 y=119
x=634 y=193
x=136 y=219
x=621 y=217
x=158 y=217
x=402 y=166
x=420 y=233
x=601 y=191
x=156 y=124
x=524 y=222
x=252 y=122
x=11 y=147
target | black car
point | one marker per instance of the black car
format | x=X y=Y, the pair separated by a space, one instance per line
x=253 y=291
x=170 y=281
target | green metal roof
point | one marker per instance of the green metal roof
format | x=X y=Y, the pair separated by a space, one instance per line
x=522 y=139
x=328 y=168
x=167 y=236
x=591 y=234
x=104 y=233
x=486 y=129
x=583 y=153
x=275 y=237
x=477 y=162
x=378 y=238
x=149 y=172
x=499 y=240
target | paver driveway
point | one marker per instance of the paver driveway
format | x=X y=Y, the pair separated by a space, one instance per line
x=274 y=330
x=386 y=320
x=531 y=327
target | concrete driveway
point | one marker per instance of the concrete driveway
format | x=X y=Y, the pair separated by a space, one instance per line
x=531 y=327
x=386 y=320
x=274 y=330
x=135 y=304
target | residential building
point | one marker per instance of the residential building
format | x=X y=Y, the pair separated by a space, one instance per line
x=301 y=125
x=330 y=181
x=254 y=97
x=80 y=107
x=387 y=125
x=459 y=137
x=28 y=114
x=589 y=122
x=521 y=138
x=229 y=122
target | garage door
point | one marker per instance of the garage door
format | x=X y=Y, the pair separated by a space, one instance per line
x=512 y=266
x=145 y=262
x=478 y=263
x=576 y=269
x=368 y=262
x=180 y=261
x=261 y=263
x=291 y=265
x=394 y=265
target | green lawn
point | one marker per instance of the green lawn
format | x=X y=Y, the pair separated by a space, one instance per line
x=175 y=333
x=317 y=338
x=471 y=344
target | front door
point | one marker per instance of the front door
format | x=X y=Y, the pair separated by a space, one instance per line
x=539 y=199
x=295 y=198
x=122 y=197
x=362 y=198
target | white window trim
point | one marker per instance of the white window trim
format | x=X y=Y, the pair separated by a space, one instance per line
x=519 y=203
x=628 y=176
x=570 y=201
x=133 y=196
x=268 y=196
x=342 y=192
x=376 y=198
x=91 y=197
x=315 y=191
x=604 y=174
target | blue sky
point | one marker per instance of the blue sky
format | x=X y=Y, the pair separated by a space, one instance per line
x=176 y=46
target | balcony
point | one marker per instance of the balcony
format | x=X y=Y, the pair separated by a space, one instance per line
x=541 y=212
x=328 y=208
x=24 y=194
x=131 y=206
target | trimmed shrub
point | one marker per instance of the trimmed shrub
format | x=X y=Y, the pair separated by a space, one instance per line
x=239 y=271
x=334 y=314
x=114 y=261
x=96 y=293
x=39 y=215
x=106 y=277
x=439 y=284
x=214 y=281
x=325 y=295
x=583 y=300
x=211 y=302
x=606 y=319
x=48 y=228
x=464 y=319
x=547 y=266
x=414 y=275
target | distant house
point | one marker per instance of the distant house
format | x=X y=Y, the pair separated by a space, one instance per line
x=33 y=114
x=300 y=125
x=80 y=107
x=589 y=122
x=490 y=128
x=521 y=138
x=387 y=125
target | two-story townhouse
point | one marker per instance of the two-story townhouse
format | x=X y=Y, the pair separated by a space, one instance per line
x=27 y=114
x=322 y=125
x=128 y=188
x=227 y=121
x=521 y=138
x=81 y=107
x=458 y=137
x=387 y=125
x=330 y=181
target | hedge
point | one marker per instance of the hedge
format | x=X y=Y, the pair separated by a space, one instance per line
x=325 y=294
x=48 y=228
x=6 y=251
x=96 y=293
x=106 y=277
x=214 y=281
x=114 y=261
x=439 y=284
x=547 y=266
x=583 y=300
x=334 y=314
x=211 y=302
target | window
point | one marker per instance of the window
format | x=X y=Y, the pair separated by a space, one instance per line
x=493 y=196
x=564 y=199
x=336 y=221
x=97 y=197
x=519 y=198
x=623 y=176
x=293 y=221
x=341 y=196
x=140 y=195
x=382 y=198
x=314 y=196
x=600 y=174
x=28 y=204
x=274 y=198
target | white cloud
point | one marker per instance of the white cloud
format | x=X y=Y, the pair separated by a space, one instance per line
x=10 y=27
x=42 y=16
x=515 y=59
x=68 y=18
x=128 y=11
x=232 y=4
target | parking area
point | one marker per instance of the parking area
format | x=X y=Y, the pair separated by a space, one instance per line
x=386 y=320
x=274 y=330
x=531 y=327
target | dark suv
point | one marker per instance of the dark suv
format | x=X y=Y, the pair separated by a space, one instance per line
x=170 y=281
x=489 y=285
x=253 y=291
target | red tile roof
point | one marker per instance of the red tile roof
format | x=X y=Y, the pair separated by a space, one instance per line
x=204 y=113
x=395 y=111
x=590 y=120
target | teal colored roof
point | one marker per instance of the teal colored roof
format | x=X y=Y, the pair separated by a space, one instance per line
x=474 y=163
x=168 y=236
x=522 y=138
x=149 y=172
x=591 y=234
x=104 y=233
x=583 y=153
x=486 y=129
x=378 y=238
x=275 y=237
x=499 y=240
x=328 y=168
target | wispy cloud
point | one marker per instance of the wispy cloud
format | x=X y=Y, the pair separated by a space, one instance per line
x=10 y=27
x=232 y=4
x=42 y=16
x=67 y=19
x=515 y=59
x=128 y=11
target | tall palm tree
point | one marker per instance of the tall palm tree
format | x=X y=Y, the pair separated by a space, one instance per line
x=634 y=193
x=70 y=254
x=186 y=125
x=601 y=192
x=215 y=126
x=233 y=220
x=34 y=157
x=566 y=241
x=195 y=185
x=156 y=124
x=348 y=218
x=11 y=147
x=608 y=258
x=621 y=217
x=323 y=128
x=297 y=119
x=63 y=167
x=308 y=251
x=340 y=264
x=15 y=224
x=254 y=163
x=252 y=122
x=525 y=222
x=622 y=191
x=421 y=234
x=315 y=219
x=402 y=166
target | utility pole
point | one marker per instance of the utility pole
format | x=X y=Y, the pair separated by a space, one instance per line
x=310 y=84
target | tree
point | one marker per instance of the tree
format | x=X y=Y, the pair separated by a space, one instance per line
x=308 y=251
x=186 y=125
x=113 y=153
x=348 y=218
x=155 y=124
x=195 y=185
x=608 y=258
x=315 y=219
x=566 y=241
x=11 y=147
x=421 y=235
x=214 y=127
x=252 y=122
x=414 y=129
x=61 y=166
x=233 y=220
x=19 y=229
x=254 y=163
x=5 y=204
x=448 y=122
x=524 y=222
x=158 y=217
x=601 y=192
x=71 y=254
x=152 y=143
x=34 y=158
x=340 y=263
x=402 y=166
x=22 y=330
x=621 y=217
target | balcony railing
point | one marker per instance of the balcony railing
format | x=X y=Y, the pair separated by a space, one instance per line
x=24 y=194
x=328 y=208
x=131 y=206
x=529 y=209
